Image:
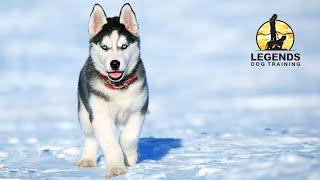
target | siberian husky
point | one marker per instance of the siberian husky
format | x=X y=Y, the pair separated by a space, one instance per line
x=112 y=91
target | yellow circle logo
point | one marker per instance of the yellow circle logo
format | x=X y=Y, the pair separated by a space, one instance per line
x=275 y=35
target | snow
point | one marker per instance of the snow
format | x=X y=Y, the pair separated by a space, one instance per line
x=212 y=116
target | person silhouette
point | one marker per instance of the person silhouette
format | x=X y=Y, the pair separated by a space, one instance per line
x=273 y=31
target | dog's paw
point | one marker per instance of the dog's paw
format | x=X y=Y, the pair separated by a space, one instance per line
x=131 y=161
x=116 y=172
x=84 y=163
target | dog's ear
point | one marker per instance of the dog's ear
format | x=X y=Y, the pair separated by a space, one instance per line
x=128 y=18
x=97 y=19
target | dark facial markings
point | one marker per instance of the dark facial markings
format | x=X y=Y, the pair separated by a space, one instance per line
x=124 y=46
x=105 y=47
x=114 y=25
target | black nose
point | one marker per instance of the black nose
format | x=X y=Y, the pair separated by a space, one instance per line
x=115 y=64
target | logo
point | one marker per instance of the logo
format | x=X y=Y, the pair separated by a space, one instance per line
x=275 y=39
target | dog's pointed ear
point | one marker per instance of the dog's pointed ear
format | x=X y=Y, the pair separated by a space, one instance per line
x=128 y=18
x=97 y=19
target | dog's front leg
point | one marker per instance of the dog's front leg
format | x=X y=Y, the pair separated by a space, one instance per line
x=130 y=136
x=105 y=132
x=89 y=154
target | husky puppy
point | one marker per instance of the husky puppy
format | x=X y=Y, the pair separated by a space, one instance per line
x=112 y=91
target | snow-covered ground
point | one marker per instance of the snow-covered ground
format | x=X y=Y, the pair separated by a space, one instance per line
x=212 y=116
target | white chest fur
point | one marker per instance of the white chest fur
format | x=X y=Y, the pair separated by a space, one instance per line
x=121 y=103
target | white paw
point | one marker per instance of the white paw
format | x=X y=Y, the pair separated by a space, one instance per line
x=83 y=163
x=116 y=172
x=131 y=160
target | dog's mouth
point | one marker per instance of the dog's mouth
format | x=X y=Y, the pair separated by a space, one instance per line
x=115 y=75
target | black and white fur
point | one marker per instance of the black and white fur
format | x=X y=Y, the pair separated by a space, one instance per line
x=104 y=111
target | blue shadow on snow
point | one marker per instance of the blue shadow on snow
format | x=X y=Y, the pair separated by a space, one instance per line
x=151 y=148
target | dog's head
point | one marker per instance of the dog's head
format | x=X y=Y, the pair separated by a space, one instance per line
x=114 y=43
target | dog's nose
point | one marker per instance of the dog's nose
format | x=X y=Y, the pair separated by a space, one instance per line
x=115 y=64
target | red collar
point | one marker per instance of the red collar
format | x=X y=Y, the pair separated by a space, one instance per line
x=112 y=85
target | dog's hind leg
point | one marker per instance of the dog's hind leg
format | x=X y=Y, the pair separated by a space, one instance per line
x=89 y=153
x=130 y=136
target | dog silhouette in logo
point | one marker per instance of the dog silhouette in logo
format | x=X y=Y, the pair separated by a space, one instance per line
x=277 y=44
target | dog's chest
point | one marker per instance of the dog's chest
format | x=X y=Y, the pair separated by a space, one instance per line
x=121 y=103
x=123 y=99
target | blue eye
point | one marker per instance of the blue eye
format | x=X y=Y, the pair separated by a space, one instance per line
x=104 y=47
x=124 y=46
